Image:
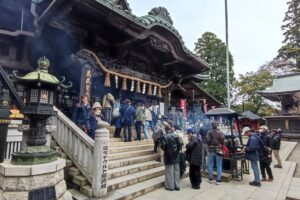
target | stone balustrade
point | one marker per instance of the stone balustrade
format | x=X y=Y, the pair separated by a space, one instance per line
x=89 y=156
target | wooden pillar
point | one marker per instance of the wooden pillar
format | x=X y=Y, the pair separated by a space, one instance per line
x=86 y=81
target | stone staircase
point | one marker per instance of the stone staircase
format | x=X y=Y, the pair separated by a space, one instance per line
x=132 y=172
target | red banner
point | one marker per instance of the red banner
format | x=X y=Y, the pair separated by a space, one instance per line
x=183 y=106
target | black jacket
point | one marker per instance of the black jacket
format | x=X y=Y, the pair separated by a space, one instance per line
x=264 y=150
x=171 y=144
x=275 y=142
x=194 y=148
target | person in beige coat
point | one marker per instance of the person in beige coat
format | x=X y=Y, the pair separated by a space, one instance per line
x=108 y=105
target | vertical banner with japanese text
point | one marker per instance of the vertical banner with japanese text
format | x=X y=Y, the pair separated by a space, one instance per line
x=183 y=106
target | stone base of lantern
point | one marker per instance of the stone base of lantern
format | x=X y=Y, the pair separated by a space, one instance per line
x=31 y=155
x=23 y=182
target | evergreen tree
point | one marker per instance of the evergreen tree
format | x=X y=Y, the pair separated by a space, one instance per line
x=291 y=28
x=248 y=85
x=213 y=51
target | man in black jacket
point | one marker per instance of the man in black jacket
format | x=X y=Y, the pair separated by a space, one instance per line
x=275 y=145
x=171 y=144
x=194 y=150
x=265 y=153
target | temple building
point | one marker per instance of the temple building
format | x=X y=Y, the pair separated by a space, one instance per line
x=285 y=89
x=102 y=47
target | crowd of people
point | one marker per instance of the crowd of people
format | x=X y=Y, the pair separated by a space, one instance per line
x=259 y=150
x=206 y=145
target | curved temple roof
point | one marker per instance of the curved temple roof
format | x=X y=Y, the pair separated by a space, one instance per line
x=156 y=17
x=282 y=85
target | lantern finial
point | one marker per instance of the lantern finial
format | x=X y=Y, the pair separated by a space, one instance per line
x=43 y=63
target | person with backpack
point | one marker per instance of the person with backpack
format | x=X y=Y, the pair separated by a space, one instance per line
x=194 y=150
x=251 y=154
x=215 y=141
x=265 y=153
x=171 y=145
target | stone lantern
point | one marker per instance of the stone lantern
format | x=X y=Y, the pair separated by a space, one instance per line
x=5 y=104
x=41 y=88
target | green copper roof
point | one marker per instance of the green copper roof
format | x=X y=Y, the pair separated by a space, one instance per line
x=284 y=84
x=41 y=74
x=150 y=20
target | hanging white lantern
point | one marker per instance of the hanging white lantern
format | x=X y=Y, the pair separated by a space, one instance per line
x=144 y=88
x=155 y=90
x=117 y=81
x=132 y=86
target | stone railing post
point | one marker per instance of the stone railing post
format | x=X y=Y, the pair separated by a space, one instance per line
x=100 y=166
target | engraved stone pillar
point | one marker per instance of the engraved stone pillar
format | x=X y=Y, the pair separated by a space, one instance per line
x=100 y=168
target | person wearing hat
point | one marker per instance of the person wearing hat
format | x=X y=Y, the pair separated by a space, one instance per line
x=94 y=116
x=194 y=150
x=265 y=153
x=275 y=145
x=157 y=136
x=251 y=154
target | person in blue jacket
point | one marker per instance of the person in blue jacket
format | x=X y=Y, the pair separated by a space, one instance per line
x=251 y=153
x=81 y=113
x=94 y=116
x=127 y=114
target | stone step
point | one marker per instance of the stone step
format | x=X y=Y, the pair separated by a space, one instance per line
x=69 y=163
x=115 y=140
x=86 y=190
x=121 y=144
x=130 y=148
x=78 y=195
x=124 y=181
x=79 y=180
x=130 y=161
x=139 y=189
x=73 y=171
x=130 y=169
x=116 y=156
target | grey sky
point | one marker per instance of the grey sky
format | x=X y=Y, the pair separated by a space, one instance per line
x=254 y=25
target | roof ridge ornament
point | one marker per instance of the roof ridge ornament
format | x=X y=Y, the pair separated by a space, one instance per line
x=161 y=12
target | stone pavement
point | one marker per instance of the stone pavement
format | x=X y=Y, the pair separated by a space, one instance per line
x=283 y=186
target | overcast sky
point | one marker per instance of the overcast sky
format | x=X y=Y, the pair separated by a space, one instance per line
x=254 y=25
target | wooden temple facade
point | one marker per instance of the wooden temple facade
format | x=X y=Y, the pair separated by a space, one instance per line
x=286 y=90
x=102 y=47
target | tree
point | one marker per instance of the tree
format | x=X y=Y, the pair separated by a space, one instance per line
x=248 y=85
x=213 y=51
x=291 y=28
